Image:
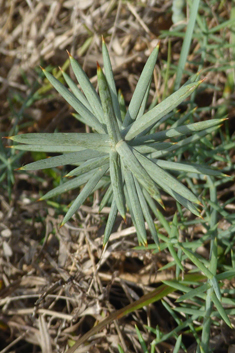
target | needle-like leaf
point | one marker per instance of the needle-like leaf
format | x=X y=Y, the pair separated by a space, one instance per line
x=90 y=164
x=107 y=105
x=111 y=83
x=75 y=103
x=69 y=185
x=65 y=159
x=88 y=89
x=150 y=118
x=135 y=208
x=86 y=191
x=91 y=141
x=138 y=170
x=141 y=88
x=117 y=182
x=161 y=177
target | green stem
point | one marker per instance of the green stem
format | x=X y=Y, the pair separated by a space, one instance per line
x=213 y=267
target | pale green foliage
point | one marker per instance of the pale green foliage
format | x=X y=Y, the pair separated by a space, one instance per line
x=124 y=154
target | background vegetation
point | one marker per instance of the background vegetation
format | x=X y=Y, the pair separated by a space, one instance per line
x=58 y=283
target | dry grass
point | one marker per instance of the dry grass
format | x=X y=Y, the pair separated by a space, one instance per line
x=57 y=282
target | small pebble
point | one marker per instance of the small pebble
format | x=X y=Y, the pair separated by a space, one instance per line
x=6 y=233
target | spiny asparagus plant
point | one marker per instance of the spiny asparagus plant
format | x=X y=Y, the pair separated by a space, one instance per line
x=124 y=154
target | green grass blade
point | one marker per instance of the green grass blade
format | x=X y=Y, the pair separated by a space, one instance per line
x=88 y=89
x=86 y=191
x=175 y=256
x=177 y=285
x=107 y=104
x=117 y=183
x=216 y=288
x=224 y=24
x=178 y=344
x=155 y=114
x=141 y=340
x=120 y=350
x=220 y=309
x=197 y=263
x=75 y=103
x=176 y=330
x=186 y=43
x=194 y=292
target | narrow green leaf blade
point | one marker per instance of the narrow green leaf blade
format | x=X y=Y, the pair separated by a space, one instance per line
x=100 y=142
x=216 y=288
x=220 y=309
x=194 y=292
x=135 y=208
x=117 y=183
x=65 y=159
x=44 y=148
x=175 y=256
x=156 y=212
x=86 y=191
x=186 y=43
x=107 y=105
x=179 y=131
x=74 y=102
x=111 y=83
x=88 y=89
x=161 y=177
x=122 y=104
x=177 y=344
x=141 y=340
x=76 y=91
x=68 y=185
x=90 y=164
x=185 y=142
x=146 y=213
x=141 y=88
x=155 y=114
x=197 y=262
x=188 y=168
x=107 y=196
x=153 y=147
x=138 y=171
x=110 y=221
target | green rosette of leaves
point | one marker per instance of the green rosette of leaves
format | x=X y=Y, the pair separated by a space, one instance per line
x=124 y=154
